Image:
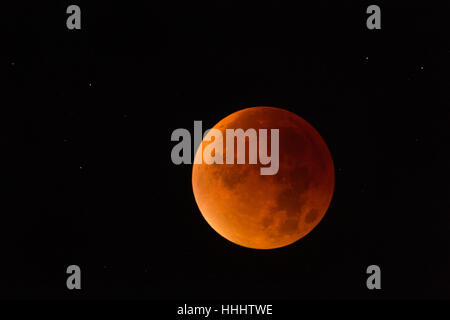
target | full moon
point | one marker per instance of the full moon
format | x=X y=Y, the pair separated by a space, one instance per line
x=267 y=211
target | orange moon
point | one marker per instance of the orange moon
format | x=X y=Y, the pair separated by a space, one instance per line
x=267 y=211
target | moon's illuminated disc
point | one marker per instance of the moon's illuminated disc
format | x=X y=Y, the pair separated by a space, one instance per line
x=267 y=211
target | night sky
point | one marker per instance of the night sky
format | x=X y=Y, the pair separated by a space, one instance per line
x=85 y=126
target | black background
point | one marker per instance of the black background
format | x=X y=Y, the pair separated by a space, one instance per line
x=85 y=129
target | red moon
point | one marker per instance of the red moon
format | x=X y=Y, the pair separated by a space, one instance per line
x=267 y=211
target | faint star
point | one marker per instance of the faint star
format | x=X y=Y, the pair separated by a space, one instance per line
x=13 y=64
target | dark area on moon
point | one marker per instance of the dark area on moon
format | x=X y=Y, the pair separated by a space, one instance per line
x=85 y=130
